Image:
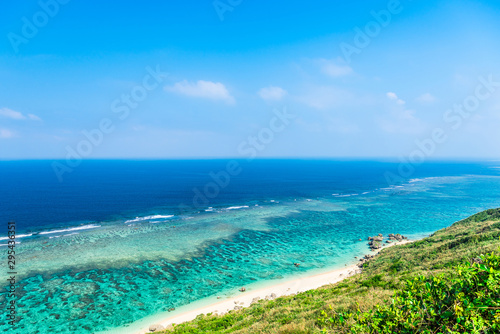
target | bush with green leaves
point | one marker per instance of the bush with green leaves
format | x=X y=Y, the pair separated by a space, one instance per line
x=467 y=300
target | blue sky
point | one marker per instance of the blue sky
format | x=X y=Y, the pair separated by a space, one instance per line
x=225 y=69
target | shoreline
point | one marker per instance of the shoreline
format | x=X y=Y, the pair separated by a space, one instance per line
x=244 y=299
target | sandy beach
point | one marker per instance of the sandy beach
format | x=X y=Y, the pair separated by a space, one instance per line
x=244 y=299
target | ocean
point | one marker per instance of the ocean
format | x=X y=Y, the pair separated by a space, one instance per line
x=119 y=241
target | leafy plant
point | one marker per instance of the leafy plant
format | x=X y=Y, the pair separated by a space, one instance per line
x=464 y=301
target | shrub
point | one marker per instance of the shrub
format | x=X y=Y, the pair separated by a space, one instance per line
x=467 y=300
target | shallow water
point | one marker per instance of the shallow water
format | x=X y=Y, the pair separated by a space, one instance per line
x=108 y=273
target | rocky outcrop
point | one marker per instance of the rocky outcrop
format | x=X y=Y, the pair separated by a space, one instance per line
x=378 y=237
x=397 y=237
x=156 y=328
x=375 y=243
x=365 y=259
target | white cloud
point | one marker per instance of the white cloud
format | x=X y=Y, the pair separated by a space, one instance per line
x=334 y=69
x=34 y=117
x=393 y=96
x=399 y=119
x=426 y=98
x=6 y=133
x=9 y=113
x=272 y=93
x=12 y=114
x=203 y=89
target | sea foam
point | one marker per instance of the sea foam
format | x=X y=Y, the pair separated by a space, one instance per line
x=85 y=227
x=237 y=207
x=153 y=217
x=17 y=236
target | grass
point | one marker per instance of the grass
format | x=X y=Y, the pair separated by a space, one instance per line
x=381 y=278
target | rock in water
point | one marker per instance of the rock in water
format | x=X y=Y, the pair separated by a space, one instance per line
x=375 y=245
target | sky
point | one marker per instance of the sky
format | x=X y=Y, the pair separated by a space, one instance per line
x=237 y=78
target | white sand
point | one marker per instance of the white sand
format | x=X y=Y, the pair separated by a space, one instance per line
x=244 y=299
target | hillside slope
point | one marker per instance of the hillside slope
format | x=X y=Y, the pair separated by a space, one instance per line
x=341 y=307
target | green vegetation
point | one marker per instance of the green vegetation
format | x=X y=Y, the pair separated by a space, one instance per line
x=465 y=301
x=440 y=284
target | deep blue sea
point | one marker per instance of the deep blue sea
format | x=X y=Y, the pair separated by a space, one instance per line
x=118 y=241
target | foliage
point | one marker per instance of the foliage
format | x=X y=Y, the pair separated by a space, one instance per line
x=467 y=301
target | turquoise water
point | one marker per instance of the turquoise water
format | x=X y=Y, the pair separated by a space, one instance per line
x=103 y=274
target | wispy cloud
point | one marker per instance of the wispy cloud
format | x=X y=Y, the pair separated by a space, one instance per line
x=272 y=93
x=16 y=115
x=34 y=117
x=426 y=98
x=202 y=89
x=9 y=113
x=399 y=119
x=393 y=96
x=334 y=68
x=6 y=133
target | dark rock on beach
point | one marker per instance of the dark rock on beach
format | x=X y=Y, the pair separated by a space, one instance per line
x=156 y=328
x=376 y=242
x=365 y=259
x=397 y=237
